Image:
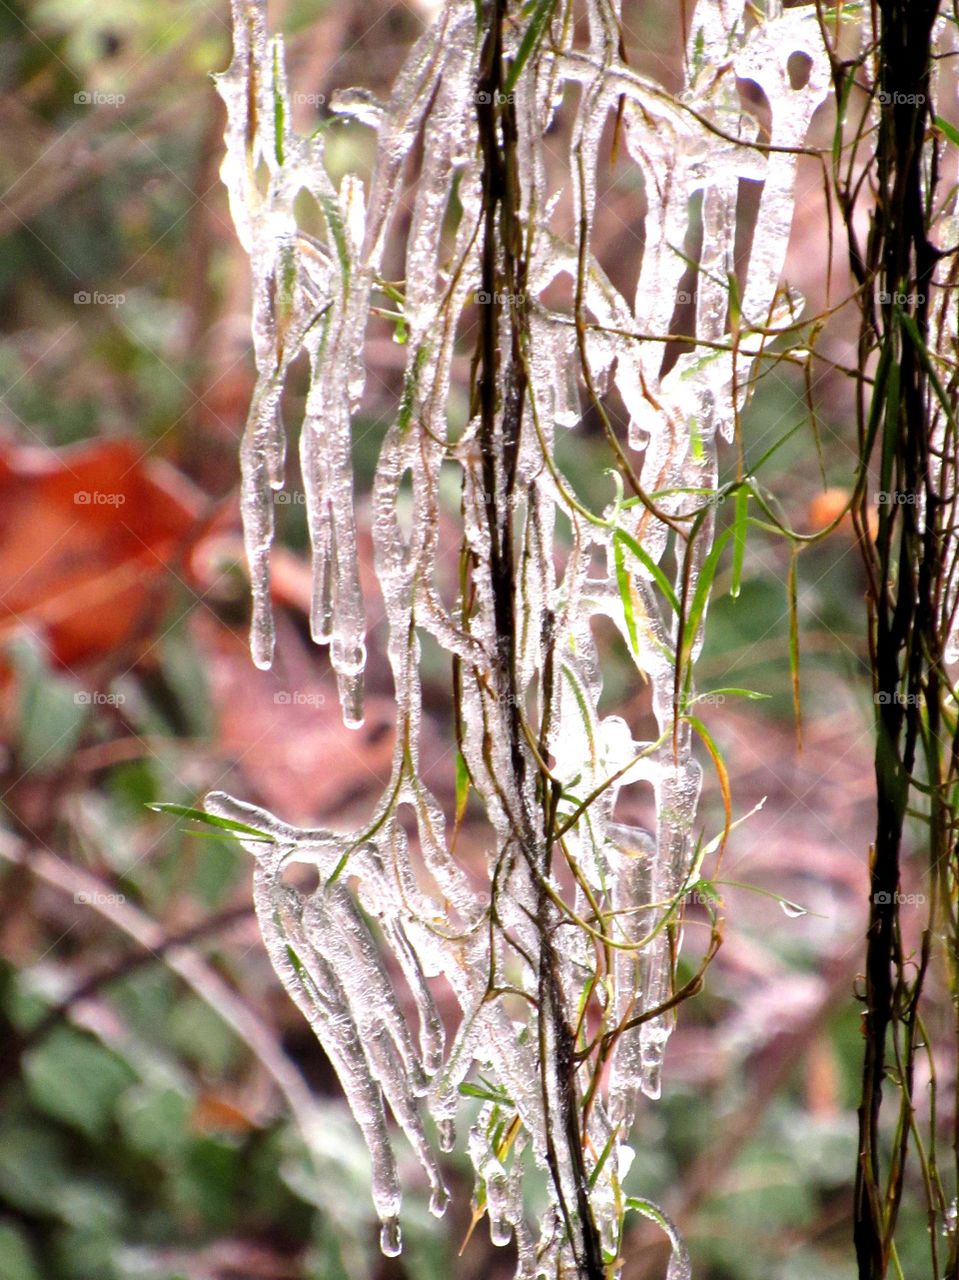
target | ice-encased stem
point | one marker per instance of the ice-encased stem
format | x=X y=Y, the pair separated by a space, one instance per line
x=531 y=964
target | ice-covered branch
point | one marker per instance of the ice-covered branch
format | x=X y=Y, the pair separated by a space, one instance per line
x=551 y=980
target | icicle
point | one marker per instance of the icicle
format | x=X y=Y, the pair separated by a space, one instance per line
x=689 y=152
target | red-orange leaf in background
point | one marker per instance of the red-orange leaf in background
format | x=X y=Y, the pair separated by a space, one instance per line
x=87 y=536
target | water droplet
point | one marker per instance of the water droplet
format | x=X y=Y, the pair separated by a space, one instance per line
x=447 y=1134
x=438 y=1201
x=391 y=1238
x=500 y=1231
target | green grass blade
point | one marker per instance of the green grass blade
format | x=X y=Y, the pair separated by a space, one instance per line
x=531 y=38
x=645 y=559
x=739 y=538
x=701 y=594
x=625 y=593
x=210 y=820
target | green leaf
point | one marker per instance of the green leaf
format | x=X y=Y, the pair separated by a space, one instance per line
x=703 y=586
x=531 y=38
x=730 y=692
x=942 y=395
x=739 y=538
x=211 y=820
x=279 y=106
x=706 y=889
x=74 y=1078
x=404 y=414
x=664 y=584
x=334 y=222
x=462 y=786
x=735 y=302
x=625 y=593
x=721 y=773
x=950 y=130
x=652 y=1211
x=603 y=1157
x=696 y=449
x=469 y=1090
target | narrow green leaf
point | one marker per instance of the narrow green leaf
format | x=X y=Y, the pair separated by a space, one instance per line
x=279 y=106
x=706 y=889
x=531 y=38
x=664 y=584
x=625 y=593
x=703 y=587
x=735 y=302
x=462 y=786
x=211 y=820
x=778 y=444
x=912 y=329
x=334 y=222
x=729 y=692
x=696 y=440
x=950 y=130
x=603 y=1157
x=721 y=773
x=297 y=964
x=488 y=1095
x=739 y=538
x=415 y=368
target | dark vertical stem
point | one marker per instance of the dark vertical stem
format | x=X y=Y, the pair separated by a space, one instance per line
x=905 y=576
x=502 y=395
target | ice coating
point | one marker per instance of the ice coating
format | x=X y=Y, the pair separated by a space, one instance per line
x=360 y=954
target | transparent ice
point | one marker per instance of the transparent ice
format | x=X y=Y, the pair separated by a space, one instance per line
x=380 y=914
